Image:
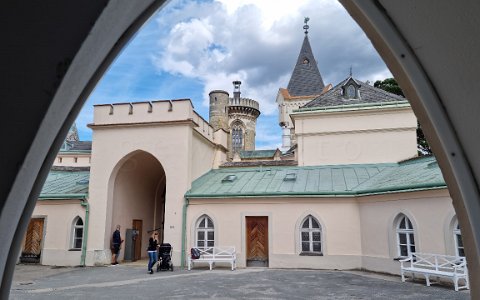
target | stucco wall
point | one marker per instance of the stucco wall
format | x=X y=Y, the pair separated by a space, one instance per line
x=356 y=232
x=352 y=137
x=430 y=212
x=174 y=135
x=72 y=160
x=58 y=231
x=170 y=145
x=342 y=248
x=202 y=155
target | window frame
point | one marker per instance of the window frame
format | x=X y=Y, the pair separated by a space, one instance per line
x=206 y=230
x=75 y=228
x=309 y=218
x=408 y=232
x=457 y=235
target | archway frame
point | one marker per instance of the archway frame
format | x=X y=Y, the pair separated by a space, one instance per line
x=26 y=180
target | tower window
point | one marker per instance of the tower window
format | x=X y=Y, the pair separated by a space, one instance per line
x=237 y=139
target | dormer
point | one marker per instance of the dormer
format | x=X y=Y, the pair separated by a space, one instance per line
x=351 y=89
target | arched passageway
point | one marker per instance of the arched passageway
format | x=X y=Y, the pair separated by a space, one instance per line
x=138 y=202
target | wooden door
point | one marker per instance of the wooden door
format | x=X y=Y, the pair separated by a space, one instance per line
x=257 y=241
x=137 y=225
x=33 y=240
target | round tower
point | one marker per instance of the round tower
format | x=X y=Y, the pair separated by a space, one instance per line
x=218 y=116
x=242 y=121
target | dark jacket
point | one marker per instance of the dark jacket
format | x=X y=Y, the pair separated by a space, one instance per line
x=116 y=240
x=152 y=245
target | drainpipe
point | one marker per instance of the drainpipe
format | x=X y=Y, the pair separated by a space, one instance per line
x=85 y=232
x=184 y=231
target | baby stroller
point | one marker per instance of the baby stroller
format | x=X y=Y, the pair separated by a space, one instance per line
x=165 y=257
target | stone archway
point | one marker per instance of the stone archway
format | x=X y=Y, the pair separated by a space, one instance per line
x=138 y=201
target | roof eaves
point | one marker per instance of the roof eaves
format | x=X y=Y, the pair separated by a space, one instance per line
x=63 y=197
x=354 y=107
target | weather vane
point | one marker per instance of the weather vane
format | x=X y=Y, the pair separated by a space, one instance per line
x=306 y=25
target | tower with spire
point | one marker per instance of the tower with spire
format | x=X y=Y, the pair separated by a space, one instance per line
x=305 y=84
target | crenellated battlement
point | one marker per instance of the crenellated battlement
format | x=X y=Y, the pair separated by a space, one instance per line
x=246 y=102
x=149 y=113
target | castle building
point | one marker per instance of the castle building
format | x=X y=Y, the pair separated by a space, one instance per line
x=236 y=116
x=350 y=192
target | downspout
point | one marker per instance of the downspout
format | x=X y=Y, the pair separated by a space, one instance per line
x=184 y=231
x=85 y=232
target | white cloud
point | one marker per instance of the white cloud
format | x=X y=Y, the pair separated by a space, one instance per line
x=257 y=42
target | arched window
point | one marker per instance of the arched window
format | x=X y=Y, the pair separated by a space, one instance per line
x=77 y=239
x=205 y=233
x=237 y=135
x=237 y=139
x=405 y=237
x=457 y=235
x=311 y=236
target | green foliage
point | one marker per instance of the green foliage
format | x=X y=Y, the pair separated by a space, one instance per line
x=390 y=85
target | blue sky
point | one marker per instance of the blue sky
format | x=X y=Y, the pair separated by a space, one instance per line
x=192 y=47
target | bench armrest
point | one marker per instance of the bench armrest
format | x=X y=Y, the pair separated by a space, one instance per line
x=410 y=258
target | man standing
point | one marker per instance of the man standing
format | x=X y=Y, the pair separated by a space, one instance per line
x=116 y=244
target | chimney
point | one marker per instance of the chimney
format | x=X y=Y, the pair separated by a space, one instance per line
x=236 y=91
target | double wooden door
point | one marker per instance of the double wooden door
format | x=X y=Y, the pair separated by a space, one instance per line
x=257 y=241
x=32 y=247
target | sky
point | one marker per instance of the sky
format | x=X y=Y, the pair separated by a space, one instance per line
x=190 y=48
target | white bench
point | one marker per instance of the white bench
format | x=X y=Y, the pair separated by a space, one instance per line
x=212 y=255
x=436 y=265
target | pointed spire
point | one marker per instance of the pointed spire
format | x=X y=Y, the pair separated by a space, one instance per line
x=72 y=135
x=306 y=79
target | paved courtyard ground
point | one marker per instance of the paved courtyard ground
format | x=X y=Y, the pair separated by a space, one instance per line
x=132 y=282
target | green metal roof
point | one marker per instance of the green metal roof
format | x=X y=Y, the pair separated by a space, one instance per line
x=319 y=181
x=257 y=153
x=66 y=185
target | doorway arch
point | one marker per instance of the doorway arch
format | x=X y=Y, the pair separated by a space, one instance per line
x=137 y=189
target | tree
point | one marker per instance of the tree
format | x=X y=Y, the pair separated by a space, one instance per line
x=390 y=85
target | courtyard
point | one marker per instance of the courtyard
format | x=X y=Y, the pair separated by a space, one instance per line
x=131 y=281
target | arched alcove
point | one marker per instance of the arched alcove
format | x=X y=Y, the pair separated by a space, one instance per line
x=137 y=200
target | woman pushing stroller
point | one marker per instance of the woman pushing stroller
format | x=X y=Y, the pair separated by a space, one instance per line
x=152 y=251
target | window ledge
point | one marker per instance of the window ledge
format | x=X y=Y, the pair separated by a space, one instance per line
x=74 y=249
x=311 y=254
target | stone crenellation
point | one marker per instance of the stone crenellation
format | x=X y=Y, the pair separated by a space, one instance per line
x=244 y=102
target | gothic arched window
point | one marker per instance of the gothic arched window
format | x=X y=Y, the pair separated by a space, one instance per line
x=77 y=234
x=405 y=236
x=311 y=236
x=237 y=136
x=205 y=233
